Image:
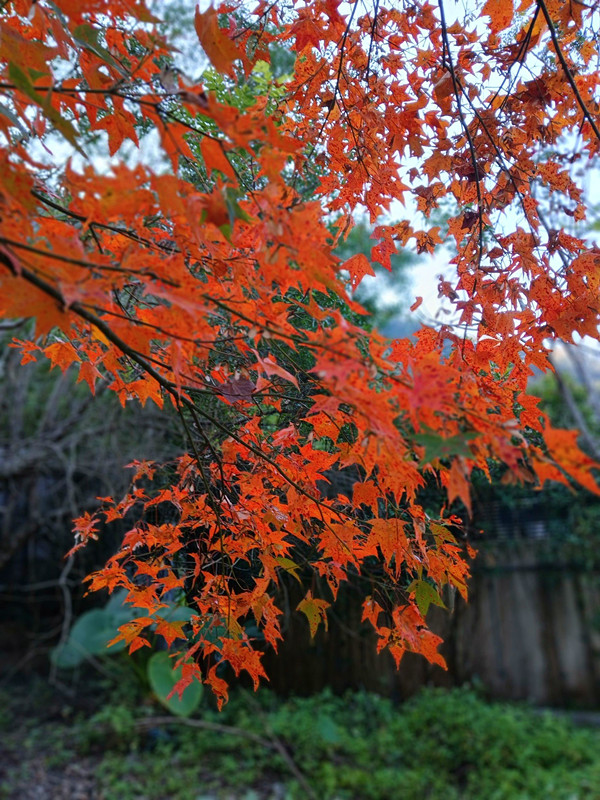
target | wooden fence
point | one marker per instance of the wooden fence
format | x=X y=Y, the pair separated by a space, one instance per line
x=531 y=631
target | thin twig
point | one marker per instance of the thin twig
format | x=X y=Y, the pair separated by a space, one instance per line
x=458 y=94
x=217 y=727
x=273 y=743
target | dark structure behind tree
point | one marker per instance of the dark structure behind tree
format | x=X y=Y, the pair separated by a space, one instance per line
x=60 y=449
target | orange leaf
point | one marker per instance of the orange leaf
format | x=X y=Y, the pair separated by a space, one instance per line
x=119 y=126
x=500 y=12
x=271 y=367
x=215 y=158
x=458 y=484
x=170 y=630
x=89 y=374
x=219 y=48
x=358 y=266
x=61 y=354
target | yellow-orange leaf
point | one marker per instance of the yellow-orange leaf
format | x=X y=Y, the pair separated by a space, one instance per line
x=500 y=12
x=314 y=610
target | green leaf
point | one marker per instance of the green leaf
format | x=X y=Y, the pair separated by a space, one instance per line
x=88 y=37
x=177 y=613
x=89 y=636
x=93 y=630
x=117 y=602
x=425 y=595
x=67 y=656
x=226 y=230
x=437 y=446
x=327 y=729
x=231 y=200
x=212 y=633
x=289 y=566
x=262 y=68
x=22 y=82
x=163 y=677
x=119 y=611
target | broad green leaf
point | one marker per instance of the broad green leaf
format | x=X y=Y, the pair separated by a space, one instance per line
x=67 y=655
x=122 y=612
x=93 y=630
x=116 y=601
x=163 y=677
x=119 y=611
x=89 y=636
x=212 y=633
x=177 y=613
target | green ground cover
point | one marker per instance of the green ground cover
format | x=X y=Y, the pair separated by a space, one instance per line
x=440 y=745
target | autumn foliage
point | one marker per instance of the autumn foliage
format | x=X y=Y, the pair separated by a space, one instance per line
x=203 y=277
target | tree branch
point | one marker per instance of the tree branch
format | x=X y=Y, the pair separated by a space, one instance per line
x=561 y=57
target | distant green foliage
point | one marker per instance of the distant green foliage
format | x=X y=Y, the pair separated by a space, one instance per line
x=554 y=405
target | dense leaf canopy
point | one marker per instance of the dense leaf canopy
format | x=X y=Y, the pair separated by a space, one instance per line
x=201 y=273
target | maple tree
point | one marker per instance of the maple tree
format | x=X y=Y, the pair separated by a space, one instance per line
x=208 y=280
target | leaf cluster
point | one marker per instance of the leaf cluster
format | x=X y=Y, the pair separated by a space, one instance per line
x=207 y=280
